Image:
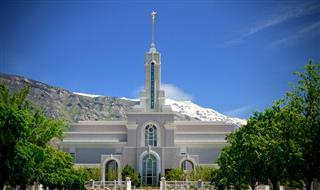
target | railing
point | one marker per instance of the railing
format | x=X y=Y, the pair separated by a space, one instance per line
x=111 y=185
x=188 y=185
x=164 y=185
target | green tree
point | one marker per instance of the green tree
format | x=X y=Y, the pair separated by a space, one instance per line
x=265 y=148
x=128 y=171
x=56 y=170
x=25 y=154
x=14 y=119
x=93 y=173
x=203 y=173
x=229 y=172
x=29 y=150
x=275 y=132
x=175 y=174
x=304 y=99
x=246 y=161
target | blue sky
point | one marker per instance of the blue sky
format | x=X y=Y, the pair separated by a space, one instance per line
x=233 y=56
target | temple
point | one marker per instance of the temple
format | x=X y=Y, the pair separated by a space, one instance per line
x=150 y=140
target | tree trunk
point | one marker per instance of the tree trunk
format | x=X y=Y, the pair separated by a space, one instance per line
x=1 y=184
x=23 y=186
x=238 y=186
x=315 y=184
x=253 y=185
x=2 y=178
x=275 y=185
x=308 y=184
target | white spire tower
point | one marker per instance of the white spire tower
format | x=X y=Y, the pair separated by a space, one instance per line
x=152 y=98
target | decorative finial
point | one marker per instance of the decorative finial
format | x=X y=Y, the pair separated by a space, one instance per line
x=153 y=16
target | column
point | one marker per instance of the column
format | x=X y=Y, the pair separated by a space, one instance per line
x=128 y=183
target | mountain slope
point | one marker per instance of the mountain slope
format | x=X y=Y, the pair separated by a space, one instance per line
x=60 y=103
x=200 y=113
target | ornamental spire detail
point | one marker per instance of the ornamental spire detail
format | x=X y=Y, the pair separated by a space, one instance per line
x=153 y=16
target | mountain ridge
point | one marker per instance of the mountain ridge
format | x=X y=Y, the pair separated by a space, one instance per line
x=60 y=103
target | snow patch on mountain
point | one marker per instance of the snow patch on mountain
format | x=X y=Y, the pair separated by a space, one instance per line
x=87 y=95
x=131 y=99
x=190 y=109
x=200 y=113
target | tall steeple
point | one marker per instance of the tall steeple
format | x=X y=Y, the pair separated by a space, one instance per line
x=152 y=98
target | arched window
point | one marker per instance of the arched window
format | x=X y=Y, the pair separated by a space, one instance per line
x=150 y=135
x=187 y=165
x=111 y=170
x=149 y=170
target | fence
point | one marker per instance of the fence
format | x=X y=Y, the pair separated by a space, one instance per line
x=187 y=185
x=109 y=185
x=164 y=185
x=170 y=185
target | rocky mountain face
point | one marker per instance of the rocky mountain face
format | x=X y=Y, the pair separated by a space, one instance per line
x=60 y=103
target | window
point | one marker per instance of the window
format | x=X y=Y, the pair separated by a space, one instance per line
x=149 y=170
x=187 y=165
x=111 y=170
x=150 y=135
x=152 y=87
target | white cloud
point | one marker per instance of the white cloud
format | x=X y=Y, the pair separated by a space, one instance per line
x=282 y=15
x=175 y=93
x=238 y=112
x=311 y=27
x=286 y=14
x=307 y=31
x=171 y=91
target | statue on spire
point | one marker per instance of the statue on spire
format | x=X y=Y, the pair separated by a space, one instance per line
x=153 y=16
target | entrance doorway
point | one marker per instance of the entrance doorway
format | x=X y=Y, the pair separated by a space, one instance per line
x=149 y=170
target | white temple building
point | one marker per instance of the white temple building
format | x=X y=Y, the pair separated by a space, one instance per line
x=150 y=140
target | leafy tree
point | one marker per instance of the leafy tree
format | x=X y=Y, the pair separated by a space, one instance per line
x=14 y=119
x=275 y=146
x=228 y=173
x=128 y=171
x=304 y=99
x=246 y=163
x=203 y=173
x=93 y=173
x=175 y=174
x=25 y=155
x=263 y=149
x=281 y=143
x=29 y=152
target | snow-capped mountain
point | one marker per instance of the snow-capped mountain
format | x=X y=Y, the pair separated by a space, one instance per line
x=75 y=106
x=190 y=109
x=203 y=114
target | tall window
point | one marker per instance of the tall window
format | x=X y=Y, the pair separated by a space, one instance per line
x=152 y=87
x=111 y=170
x=149 y=170
x=150 y=135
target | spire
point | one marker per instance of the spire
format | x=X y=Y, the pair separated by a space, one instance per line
x=153 y=16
